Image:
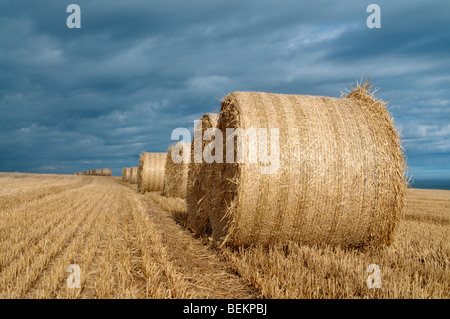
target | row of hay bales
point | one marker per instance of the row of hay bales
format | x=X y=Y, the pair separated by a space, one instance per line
x=341 y=177
x=97 y=172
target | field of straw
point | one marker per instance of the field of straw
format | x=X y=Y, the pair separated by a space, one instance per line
x=133 y=245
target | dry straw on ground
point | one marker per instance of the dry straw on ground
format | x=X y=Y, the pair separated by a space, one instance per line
x=176 y=173
x=151 y=172
x=197 y=197
x=340 y=180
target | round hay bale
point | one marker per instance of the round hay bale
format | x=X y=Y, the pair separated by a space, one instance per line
x=175 y=173
x=151 y=172
x=106 y=172
x=341 y=176
x=133 y=175
x=124 y=174
x=198 y=194
x=128 y=174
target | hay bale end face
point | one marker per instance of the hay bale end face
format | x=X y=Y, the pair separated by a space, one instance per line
x=176 y=173
x=151 y=172
x=341 y=176
x=124 y=174
x=198 y=191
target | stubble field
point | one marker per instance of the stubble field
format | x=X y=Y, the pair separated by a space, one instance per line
x=130 y=245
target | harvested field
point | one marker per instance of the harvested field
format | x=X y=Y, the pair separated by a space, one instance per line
x=132 y=245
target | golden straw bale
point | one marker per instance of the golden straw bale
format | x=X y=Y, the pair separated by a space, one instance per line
x=151 y=172
x=133 y=175
x=176 y=173
x=197 y=196
x=341 y=176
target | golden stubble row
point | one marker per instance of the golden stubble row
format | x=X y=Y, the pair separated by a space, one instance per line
x=35 y=219
x=129 y=245
x=27 y=266
x=416 y=265
x=101 y=228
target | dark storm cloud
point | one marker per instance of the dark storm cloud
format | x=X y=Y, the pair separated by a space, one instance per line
x=98 y=96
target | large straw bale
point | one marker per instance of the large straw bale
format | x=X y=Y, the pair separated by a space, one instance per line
x=151 y=172
x=124 y=174
x=341 y=178
x=175 y=173
x=197 y=196
x=133 y=175
x=106 y=172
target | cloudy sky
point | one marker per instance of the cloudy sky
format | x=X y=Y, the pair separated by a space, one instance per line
x=79 y=99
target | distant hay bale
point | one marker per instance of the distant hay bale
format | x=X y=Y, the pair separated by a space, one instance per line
x=106 y=172
x=127 y=174
x=151 y=172
x=197 y=196
x=175 y=174
x=79 y=173
x=124 y=174
x=133 y=175
x=341 y=176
